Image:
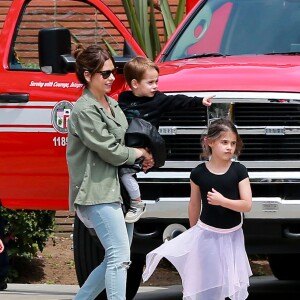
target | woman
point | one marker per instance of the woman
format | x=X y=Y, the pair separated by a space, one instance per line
x=96 y=130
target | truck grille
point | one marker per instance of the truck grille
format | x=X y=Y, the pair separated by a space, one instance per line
x=266 y=114
x=270 y=147
x=183 y=147
x=195 y=117
x=249 y=117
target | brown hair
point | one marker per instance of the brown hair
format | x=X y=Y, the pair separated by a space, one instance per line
x=214 y=131
x=136 y=68
x=90 y=59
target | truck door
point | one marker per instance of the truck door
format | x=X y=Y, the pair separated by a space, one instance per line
x=34 y=105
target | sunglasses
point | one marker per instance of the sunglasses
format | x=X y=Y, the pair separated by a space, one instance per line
x=105 y=74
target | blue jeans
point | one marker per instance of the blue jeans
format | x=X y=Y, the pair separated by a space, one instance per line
x=115 y=236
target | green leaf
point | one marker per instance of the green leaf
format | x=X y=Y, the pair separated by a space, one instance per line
x=180 y=12
x=155 y=38
x=142 y=8
x=168 y=19
x=141 y=15
x=110 y=48
x=134 y=24
x=129 y=13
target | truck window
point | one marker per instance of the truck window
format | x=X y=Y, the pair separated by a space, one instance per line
x=239 y=27
x=86 y=24
x=209 y=31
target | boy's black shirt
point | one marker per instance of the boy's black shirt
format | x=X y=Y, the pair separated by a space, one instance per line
x=152 y=108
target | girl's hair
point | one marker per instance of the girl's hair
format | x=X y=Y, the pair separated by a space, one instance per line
x=137 y=67
x=214 y=131
x=90 y=59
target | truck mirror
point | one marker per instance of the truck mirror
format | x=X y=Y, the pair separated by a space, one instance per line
x=128 y=51
x=68 y=63
x=55 y=50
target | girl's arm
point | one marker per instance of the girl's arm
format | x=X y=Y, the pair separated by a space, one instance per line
x=242 y=205
x=194 y=204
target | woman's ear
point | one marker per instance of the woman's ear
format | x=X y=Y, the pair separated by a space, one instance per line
x=87 y=75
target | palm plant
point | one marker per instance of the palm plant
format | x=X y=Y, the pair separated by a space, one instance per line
x=142 y=18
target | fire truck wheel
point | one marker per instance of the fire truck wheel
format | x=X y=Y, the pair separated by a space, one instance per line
x=88 y=253
x=285 y=266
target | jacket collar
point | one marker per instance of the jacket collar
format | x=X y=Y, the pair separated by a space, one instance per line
x=113 y=103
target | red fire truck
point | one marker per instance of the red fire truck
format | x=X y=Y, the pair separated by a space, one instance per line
x=245 y=52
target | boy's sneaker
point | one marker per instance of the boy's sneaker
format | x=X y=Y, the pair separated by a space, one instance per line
x=134 y=213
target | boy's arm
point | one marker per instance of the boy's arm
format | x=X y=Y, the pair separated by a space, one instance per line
x=207 y=101
x=170 y=103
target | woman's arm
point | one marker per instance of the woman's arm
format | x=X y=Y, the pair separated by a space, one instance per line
x=100 y=134
x=194 y=204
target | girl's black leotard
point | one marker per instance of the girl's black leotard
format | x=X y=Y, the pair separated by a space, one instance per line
x=227 y=185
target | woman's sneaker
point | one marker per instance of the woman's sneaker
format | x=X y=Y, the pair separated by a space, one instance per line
x=3 y=285
x=136 y=210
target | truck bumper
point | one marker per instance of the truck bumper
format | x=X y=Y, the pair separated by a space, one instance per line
x=262 y=208
x=268 y=206
x=272 y=225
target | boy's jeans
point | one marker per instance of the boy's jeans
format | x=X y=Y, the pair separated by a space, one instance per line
x=110 y=227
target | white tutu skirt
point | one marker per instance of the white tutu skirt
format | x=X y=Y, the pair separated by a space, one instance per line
x=212 y=265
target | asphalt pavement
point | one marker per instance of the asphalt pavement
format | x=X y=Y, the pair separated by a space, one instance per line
x=67 y=292
x=261 y=288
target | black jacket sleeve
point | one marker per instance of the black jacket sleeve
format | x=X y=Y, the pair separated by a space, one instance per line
x=170 y=103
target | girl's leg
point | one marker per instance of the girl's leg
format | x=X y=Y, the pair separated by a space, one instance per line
x=109 y=224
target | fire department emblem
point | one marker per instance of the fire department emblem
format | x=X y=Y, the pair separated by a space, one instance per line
x=60 y=115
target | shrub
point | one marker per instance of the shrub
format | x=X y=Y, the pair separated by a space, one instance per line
x=27 y=232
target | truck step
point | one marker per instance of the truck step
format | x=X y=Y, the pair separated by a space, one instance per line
x=64 y=221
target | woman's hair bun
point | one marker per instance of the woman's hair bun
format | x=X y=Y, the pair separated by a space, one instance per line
x=79 y=49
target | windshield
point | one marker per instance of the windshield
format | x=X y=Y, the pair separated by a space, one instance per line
x=239 y=27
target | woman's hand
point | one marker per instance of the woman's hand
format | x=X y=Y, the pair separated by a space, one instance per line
x=148 y=162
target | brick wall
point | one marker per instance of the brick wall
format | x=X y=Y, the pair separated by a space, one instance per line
x=4 y=6
x=114 y=5
x=85 y=24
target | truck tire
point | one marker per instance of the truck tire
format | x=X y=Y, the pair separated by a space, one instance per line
x=285 y=266
x=88 y=253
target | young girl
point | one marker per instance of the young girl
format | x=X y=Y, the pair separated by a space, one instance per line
x=210 y=257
